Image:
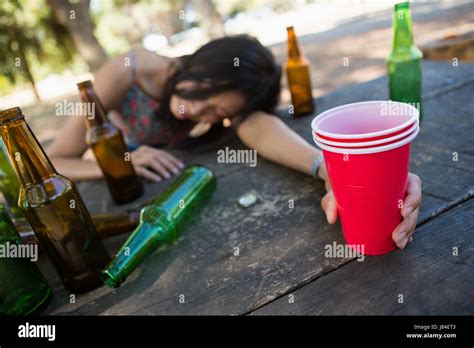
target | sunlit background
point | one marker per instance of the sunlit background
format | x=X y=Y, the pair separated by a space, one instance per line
x=56 y=50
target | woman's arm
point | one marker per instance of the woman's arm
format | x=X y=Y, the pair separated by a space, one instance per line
x=68 y=147
x=274 y=140
x=111 y=84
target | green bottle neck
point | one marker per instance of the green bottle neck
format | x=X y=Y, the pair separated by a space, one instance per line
x=136 y=249
x=402 y=31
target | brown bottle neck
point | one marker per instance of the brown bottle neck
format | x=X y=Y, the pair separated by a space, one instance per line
x=29 y=160
x=97 y=116
x=294 y=51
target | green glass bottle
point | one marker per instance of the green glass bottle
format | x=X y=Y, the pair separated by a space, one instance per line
x=404 y=62
x=23 y=289
x=9 y=184
x=161 y=221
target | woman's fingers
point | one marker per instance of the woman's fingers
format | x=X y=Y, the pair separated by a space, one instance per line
x=158 y=167
x=411 y=222
x=174 y=160
x=159 y=161
x=148 y=174
x=413 y=198
x=328 y=203
x=402 y=234
x=169 y=164
x=166 y=159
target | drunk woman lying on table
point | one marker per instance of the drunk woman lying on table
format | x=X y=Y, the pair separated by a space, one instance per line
x=158 y=101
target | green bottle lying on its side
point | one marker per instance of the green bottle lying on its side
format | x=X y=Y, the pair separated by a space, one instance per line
x=161 y=221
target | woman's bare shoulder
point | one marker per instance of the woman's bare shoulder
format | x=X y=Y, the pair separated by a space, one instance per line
x=150 y=61
x=151 y=70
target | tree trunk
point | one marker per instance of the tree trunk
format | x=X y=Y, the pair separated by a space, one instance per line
x=75 y=17
x=210 y=18
x=28 y=73
x=23 y=61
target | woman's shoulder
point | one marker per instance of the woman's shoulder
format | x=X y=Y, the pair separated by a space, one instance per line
x=149 y=62
x=150 y=70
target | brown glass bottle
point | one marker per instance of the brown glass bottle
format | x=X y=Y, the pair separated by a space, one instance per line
x=106 y=141
x=53 y=207
x=299 y=78
x=109 y=225
x=106 y=225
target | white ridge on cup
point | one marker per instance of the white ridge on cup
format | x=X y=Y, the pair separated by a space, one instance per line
x=412 y=116
x=367 y=143
x=369 y=150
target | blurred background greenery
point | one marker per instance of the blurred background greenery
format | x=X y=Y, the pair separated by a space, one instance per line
x=47 y=36
x=46 y=46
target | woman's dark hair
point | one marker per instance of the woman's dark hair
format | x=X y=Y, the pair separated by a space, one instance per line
x=239 y=63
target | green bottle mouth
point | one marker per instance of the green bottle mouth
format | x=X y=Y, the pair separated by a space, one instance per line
x=402 y=5
x=109 y=279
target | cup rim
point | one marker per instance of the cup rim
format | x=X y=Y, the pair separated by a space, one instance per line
x=322 y=116
x=381 y=137
x=367 y=143
x=370 y=150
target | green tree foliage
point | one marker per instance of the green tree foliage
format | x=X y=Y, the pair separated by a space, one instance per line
x=30 y=37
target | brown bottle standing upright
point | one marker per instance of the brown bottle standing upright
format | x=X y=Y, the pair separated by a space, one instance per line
x=53 y=207
x=106 y=141
x=299 y=78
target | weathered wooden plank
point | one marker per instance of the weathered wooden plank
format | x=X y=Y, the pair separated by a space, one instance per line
x=227 y=234
x=449 y=121
x=202 y=265
x=442 y=177
x=236 y=237
x=430 y=278
x=280 y=249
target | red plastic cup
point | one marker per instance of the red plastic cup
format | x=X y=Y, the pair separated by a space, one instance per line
x=369 y=185
x=384 y=141
x=364 y=121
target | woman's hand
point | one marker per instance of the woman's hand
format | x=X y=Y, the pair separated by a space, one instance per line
x=155 y=164
x=402 y=234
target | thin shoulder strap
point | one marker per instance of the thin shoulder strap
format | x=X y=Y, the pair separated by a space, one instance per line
x=133 y=64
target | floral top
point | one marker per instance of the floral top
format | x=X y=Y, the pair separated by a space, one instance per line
x=141 y=124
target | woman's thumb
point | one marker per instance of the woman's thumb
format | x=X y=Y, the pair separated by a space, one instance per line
x=328 y=203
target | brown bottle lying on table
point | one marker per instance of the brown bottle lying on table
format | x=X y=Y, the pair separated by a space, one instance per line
x=53 y=207
x=106 y=225
x=299 y=79
x=106 y=141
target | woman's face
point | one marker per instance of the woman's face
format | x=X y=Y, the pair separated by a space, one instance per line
x=211 y=110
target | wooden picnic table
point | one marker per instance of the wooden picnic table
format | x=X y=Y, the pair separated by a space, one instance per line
x=281 y=249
